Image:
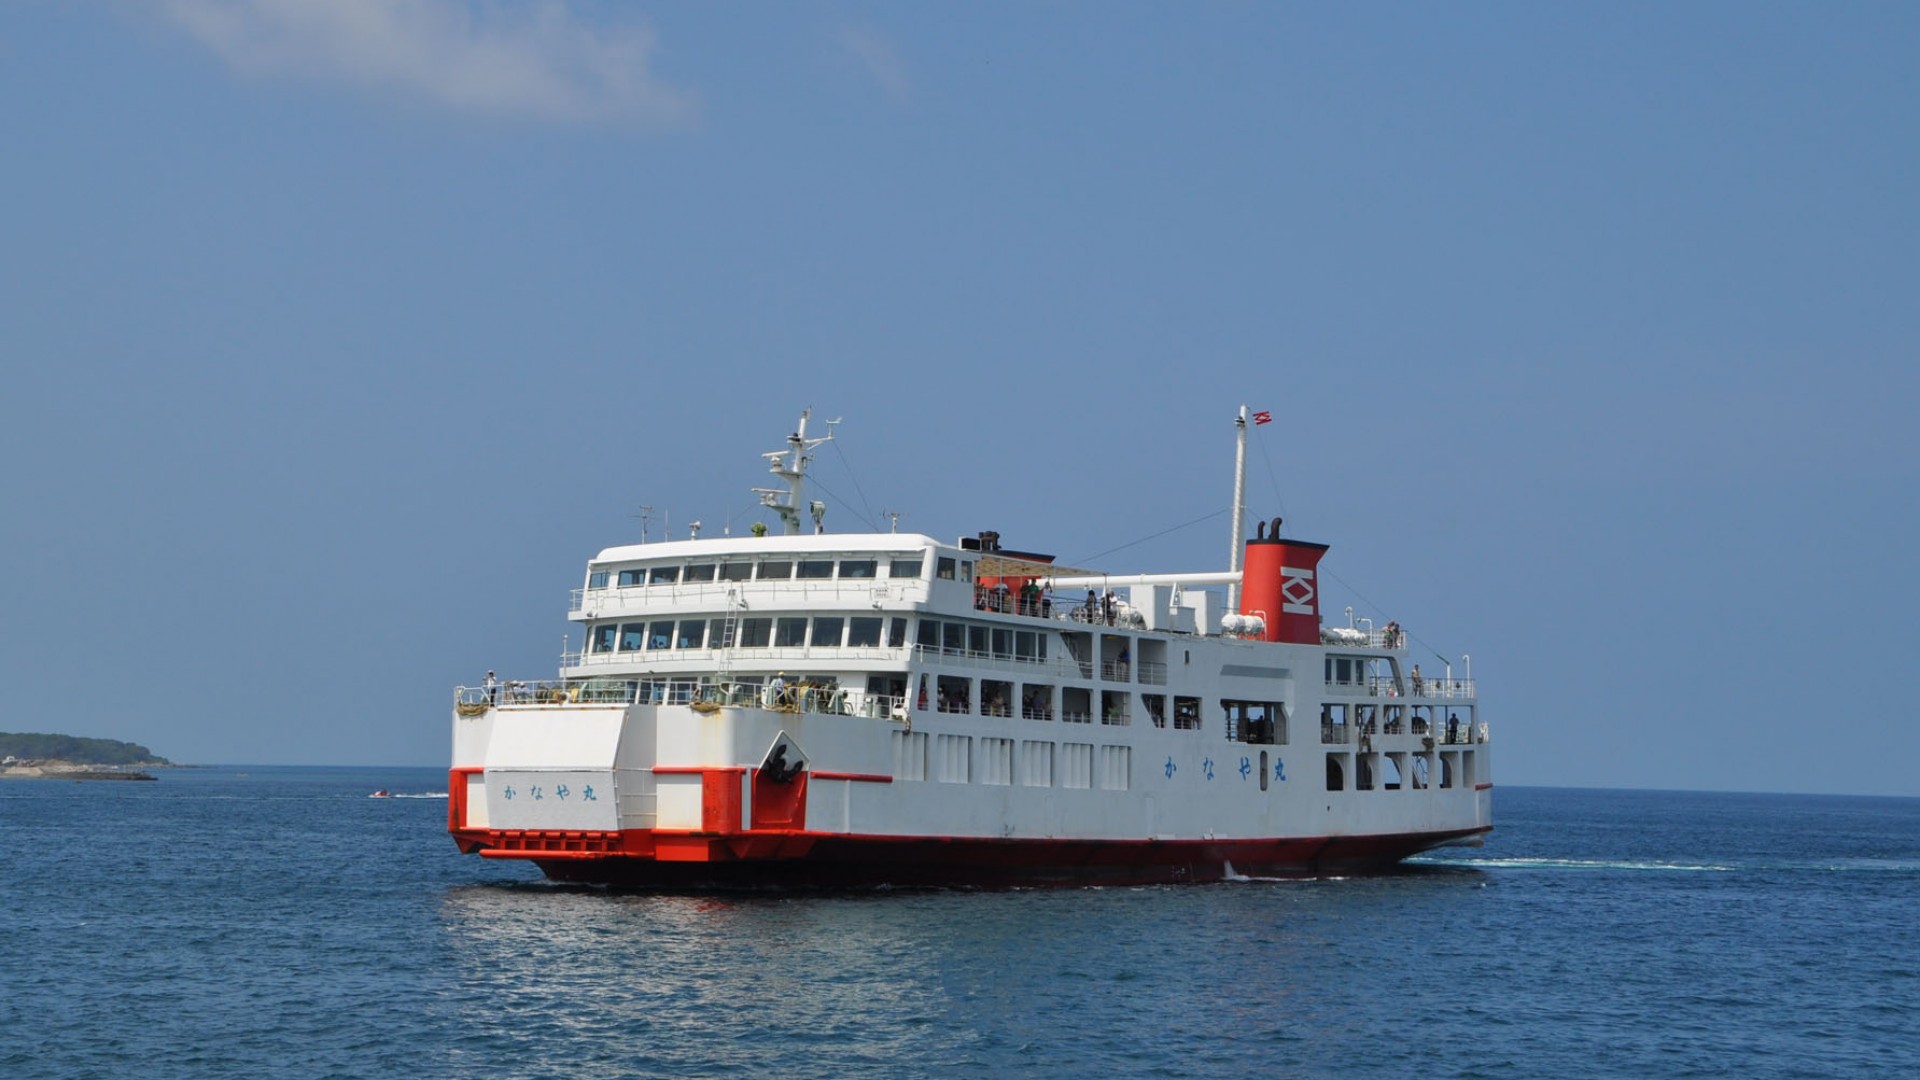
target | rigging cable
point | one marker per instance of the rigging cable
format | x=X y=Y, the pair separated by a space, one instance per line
x=1144 y=539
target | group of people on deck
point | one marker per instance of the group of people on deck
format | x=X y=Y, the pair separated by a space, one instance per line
x=1030 y=599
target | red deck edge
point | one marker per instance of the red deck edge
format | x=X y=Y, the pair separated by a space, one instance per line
x=1483 y=786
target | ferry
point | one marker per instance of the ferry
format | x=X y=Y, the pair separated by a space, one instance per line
x=800 y=708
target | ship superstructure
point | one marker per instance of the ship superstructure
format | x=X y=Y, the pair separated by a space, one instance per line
x=886 y=708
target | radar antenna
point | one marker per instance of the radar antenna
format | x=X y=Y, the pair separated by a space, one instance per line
x=791 y=465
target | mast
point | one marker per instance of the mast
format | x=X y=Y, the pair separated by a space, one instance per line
x=1239 y=507
x=791 y=465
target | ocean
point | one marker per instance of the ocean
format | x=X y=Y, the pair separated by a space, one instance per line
x=269 y=922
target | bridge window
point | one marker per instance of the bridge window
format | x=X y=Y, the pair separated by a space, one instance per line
x=603 y=637
x=755 y=633
x=693 y=634
x=789 y=633
x=667 y=574
x=597 y=579
x=897 y=632
x=945 y=572
x=864 y=631
x=775 y=569
x=736 y=571
x=815 y=568
x=630 y=578
x=633 y=637
x=826 y=631
x=700 y=572
x=660 y=635
x=859 y=568
x=904 y=568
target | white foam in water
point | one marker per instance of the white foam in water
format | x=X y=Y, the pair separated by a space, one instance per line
x=1570 y=864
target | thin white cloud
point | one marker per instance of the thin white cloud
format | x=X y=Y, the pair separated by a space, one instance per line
x=877 y=54
x=527 y=60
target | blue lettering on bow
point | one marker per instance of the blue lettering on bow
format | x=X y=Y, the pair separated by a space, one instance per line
x=535 y=792
x=587 y=793
x=561 y=790
x=1171 y=767
x=1246 y=767
x=1279 y=770
x=1208 y=766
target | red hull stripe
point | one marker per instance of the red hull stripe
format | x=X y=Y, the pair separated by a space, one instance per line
x=696 y=770
x=1487 y=785
x=644 y=858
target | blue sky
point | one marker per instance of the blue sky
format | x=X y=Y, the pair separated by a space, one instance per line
x=338 y=335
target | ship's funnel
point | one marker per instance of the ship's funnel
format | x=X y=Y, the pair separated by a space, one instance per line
x=1281 y=582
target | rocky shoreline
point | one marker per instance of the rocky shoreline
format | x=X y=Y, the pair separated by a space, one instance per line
x=67 y=770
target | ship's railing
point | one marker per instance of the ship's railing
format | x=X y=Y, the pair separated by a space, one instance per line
x=1006 y=601
x=1153 y=673
x=1116 y=670
x=797 y=696
x=1442 y=734
x=796 y=592
x=1409 y=686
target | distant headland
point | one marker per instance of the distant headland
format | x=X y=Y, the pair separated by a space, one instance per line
x=71 y=757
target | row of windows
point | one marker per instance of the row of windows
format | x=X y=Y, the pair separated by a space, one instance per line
x=758 y=570
x=980 y=639
x=758 y=632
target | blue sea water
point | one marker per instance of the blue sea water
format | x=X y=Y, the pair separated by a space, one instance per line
x=273 y=922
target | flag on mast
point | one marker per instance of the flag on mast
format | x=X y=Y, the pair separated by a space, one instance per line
x=1263 y=417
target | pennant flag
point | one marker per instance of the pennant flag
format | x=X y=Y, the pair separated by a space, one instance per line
x=1263 y=417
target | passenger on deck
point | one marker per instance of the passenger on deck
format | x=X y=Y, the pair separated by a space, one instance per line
x=1416 y=679
x=492 y=687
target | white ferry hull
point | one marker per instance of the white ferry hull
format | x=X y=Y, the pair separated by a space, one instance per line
x=663 y=796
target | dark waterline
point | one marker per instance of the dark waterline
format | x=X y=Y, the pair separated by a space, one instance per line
x=277 y=922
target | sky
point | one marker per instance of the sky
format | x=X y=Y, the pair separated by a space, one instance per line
x=337 y=335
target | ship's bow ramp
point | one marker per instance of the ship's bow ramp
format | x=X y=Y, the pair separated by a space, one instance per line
x=554 y=769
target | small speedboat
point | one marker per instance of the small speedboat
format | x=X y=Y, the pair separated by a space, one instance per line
x=383 y=793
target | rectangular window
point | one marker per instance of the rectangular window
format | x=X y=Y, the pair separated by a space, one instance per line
x=897 y=633
x=1156 y=708
x=755 y=633
x=945 y=572
x=775 y=570
x=630 y=578
x=597 y=579
x=789 y=633
x=1186 y=714
x=664 y=574
x=826 y=631
x=816 y=568
x=700 y=572
x=1002 y=643
x=859 y=568
x=736 y=571
x=953 y=638
x=928 y=636
x=717 y=634
x=966 y=571
x=1116 y=767
x=864 y=631
x=904 y=568
x=693 y=634
x=1023 y=645
x=633 y=637
x=1036 y=701
x=603 y=637
x=977 y=640
x=660 y=635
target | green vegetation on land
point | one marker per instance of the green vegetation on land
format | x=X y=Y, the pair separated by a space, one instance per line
x=34 y=747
